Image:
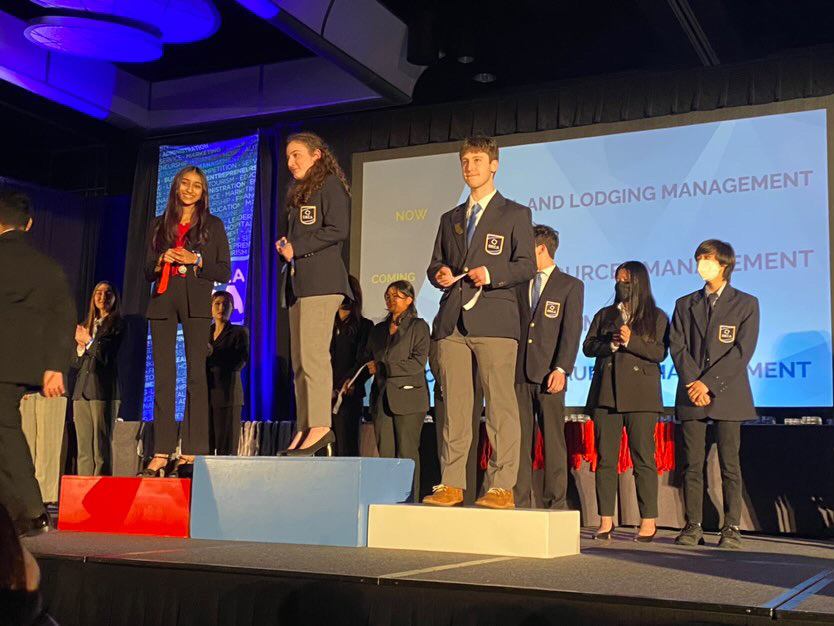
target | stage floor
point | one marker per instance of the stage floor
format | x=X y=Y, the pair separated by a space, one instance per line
x=618 y=581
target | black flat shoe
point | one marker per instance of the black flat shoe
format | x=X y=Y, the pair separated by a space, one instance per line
x=323 y=447
x=606 y=536
x=645 y=538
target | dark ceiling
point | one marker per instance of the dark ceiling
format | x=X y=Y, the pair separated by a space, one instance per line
x=524 y=43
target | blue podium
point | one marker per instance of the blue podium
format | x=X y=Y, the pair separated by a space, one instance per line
x=319 y=500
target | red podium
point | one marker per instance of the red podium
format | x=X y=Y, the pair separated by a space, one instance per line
x=125 y=505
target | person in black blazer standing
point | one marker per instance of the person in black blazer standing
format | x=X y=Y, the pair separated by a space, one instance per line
x=396 y=354
x=483 y=249
x=228 y=354
x=629 y=341
x=550 y=311
x=95 y=398
x=188 y=252
x=347 y=347
x=314 y=282
x=36 y=327
x=713 y=337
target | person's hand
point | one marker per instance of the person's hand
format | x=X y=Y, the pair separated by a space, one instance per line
x=444 y=277
x=82 y=337
x=169 y=256
x=372 y=367
x=698 y=393
x=285 y=249
x=555 y=381
x=184 y=257
x=478 y=276
x=623 y=335
x=53 y=384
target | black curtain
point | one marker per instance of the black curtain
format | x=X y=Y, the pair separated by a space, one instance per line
x=575 y=103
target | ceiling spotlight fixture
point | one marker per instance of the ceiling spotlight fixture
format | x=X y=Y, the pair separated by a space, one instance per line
x=466 y=58
x=484 y=77
x=121 y=30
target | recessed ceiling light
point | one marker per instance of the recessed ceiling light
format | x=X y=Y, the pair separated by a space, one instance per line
x=484 y=77
x=466 y=58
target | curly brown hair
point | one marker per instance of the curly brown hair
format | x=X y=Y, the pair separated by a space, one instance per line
x=301 y=190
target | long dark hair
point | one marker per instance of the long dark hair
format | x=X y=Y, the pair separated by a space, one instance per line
x=92 y=312
x=350 y=325
x=404 y=287
x=166 y=229
x=12 y=565
x=301 y=190
x=641 y=306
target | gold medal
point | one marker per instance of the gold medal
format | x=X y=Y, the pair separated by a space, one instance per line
x=182 y=270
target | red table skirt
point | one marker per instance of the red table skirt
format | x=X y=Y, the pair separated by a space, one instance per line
x=579 y=437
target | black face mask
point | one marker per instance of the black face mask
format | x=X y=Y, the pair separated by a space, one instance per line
x=622 y=291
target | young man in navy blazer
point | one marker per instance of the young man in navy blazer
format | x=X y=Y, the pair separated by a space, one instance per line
x=483 y=249
x=712 y=339
x=550 y=311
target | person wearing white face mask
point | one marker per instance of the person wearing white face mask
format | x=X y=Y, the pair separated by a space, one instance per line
x=712 y=339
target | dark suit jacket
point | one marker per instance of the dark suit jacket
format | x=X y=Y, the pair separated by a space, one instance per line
x=716 y=353
x=227 y=356
x=550 y=334
x=198 y=281
x=317 y=232
x=631 y=374
x=98 y=377
x=503 y=243
x=37 y=316
x=401 y=362
x=346 y=352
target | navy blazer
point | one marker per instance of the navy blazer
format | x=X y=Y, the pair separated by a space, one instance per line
x=199 y=281
x=228 y=355
x=716 y=353
x=503 y=243
x=627 y=380
x=401 y=365
x=550 y=334
x=98 y=377
x=317 y=231
x=37 y=316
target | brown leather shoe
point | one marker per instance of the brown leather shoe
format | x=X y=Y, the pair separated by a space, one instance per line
x=444 y=496
x=497 y=498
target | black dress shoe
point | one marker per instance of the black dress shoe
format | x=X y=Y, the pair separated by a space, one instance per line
x=691 y=535
x=645 y=538
x=34 y=526
x=323 y=447
x=730 y=538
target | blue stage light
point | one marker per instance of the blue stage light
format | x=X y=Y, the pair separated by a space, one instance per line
x=179 y=21
x=95 y=38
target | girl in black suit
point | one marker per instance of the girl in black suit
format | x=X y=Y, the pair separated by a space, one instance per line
x=629 y=341
x=228 y=354
x=350 y=336
x=187 y=253
x=397 y=352
x=95 y=398
x=314 y=282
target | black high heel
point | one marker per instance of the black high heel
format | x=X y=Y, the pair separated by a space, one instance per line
x=183 y=470
x=606 y=536
x=157 y=473
x=325 y=444
x=645 y=538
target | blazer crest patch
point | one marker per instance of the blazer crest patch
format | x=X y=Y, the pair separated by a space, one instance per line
x=726 y=333
x=551 y=309
x=307 y=214
x=494 y=244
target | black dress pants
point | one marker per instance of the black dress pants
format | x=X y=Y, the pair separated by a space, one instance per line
x=549 y=408
x=195 y=425
x=225 y=429
x=608 y=429
x=19 y=490
x=728 y=438
x=346 y=425
x=398 y=436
